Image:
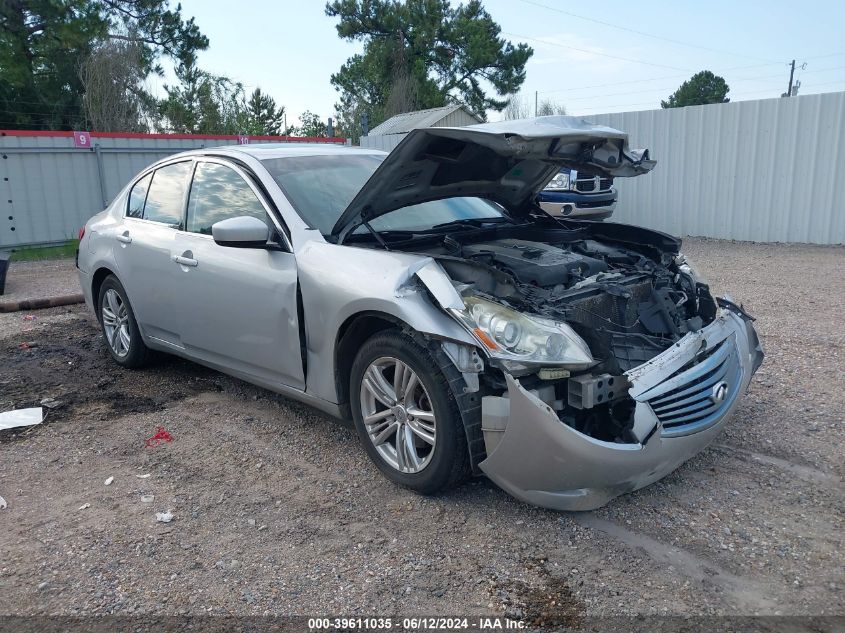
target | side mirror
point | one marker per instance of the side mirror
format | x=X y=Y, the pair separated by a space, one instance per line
x=243 y=231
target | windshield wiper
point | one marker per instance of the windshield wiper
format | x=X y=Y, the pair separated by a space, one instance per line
x=469 y=223
x=476 y=223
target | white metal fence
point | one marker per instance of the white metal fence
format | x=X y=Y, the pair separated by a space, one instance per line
x=766 y=171
x=49 y=187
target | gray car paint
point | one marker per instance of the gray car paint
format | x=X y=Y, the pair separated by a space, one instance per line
x=338 y=282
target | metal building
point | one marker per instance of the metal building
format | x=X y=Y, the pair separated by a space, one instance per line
x=387 y=135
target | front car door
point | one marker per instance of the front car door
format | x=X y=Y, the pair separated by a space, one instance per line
x=237 y=306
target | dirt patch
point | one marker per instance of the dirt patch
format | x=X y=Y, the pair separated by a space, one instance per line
x=547 y=602
x=69 y=367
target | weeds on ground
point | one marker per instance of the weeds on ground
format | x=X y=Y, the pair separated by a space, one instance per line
x=38 y=253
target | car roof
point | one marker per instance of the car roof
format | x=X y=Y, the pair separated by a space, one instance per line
x=263 y=151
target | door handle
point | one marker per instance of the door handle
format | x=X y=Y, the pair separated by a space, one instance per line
x=184 y=261
x=125 y=238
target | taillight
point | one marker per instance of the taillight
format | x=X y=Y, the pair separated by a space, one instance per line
x=81 y=233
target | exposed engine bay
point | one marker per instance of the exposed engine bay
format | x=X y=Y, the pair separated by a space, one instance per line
x=624 y=290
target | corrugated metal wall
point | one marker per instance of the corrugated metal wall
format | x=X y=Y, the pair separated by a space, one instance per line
x=49 y=189
x=458 y=118
x=385 y=142
x=765 y=171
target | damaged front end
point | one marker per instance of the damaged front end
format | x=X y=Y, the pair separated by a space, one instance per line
x=677 y=403
x=610 y=363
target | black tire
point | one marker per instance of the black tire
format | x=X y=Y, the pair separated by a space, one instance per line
x=449 y=463
x=138 y=354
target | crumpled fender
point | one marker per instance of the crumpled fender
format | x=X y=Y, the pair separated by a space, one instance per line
x=340 y=282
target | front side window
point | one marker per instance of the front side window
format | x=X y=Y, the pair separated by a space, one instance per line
x=217 y=193
x=167 y=194
x=137 y=197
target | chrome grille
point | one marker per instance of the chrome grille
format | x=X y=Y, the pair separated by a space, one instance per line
x=592 y=184
x=697 y=397
x=585 y=185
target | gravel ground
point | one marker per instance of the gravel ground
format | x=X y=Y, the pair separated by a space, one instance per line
x=278 y=511
x=40 y=280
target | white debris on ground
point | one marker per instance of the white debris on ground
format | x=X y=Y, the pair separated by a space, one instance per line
x=21 y=417
x=164 y=517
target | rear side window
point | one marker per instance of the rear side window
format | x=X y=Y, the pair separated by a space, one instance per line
x=138 y=197
x=166 y=194
x=217 y=193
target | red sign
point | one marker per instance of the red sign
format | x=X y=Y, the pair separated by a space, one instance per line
x=243 y=140
x=82 y=140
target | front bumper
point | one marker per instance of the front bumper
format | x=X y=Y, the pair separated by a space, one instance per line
x=541 y=460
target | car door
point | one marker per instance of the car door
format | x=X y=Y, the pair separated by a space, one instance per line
x=143 y=246
x=237 y=306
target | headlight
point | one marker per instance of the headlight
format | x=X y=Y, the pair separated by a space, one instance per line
x=559 y=183
x=512 y=336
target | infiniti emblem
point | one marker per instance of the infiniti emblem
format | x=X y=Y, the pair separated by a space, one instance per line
x=719 y=393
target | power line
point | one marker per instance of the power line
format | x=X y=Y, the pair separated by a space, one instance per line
x=589 y=52
x=638 y=81
x=643 y=33
x=740 y=94
x=822 y=56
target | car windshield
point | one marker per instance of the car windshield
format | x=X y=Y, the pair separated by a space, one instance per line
x=321 y=187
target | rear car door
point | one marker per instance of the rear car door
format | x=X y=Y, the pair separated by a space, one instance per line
x=143 y=248
x=237 y=306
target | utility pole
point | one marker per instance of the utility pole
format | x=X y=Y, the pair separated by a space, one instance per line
x=535 y=103
x=791 y=75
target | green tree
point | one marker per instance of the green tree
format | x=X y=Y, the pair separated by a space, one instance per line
x=423 y=54
x=263 y=116
x=310 y=125
x=115 y=97
x=203 y=103
x=44 y=43
x=547 y=107
x=700 y=89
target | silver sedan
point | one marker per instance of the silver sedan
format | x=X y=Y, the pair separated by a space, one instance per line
x=425 y=295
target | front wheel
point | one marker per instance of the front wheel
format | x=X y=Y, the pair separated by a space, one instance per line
x=406 y=415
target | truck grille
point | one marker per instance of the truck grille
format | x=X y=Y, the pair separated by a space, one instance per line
x=697 y=397
x=592 y=184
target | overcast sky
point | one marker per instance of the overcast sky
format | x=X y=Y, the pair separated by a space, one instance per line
x=612 y=56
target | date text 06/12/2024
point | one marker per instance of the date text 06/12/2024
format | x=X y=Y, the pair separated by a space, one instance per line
x=439 y=623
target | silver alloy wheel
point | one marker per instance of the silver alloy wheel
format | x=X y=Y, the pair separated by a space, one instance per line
x=116 y=322
x=398 y=415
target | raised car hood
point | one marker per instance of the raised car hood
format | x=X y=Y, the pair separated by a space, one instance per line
x=507 y=162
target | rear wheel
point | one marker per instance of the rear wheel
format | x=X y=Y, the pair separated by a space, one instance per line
x=406 y=415
x=120 y=330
